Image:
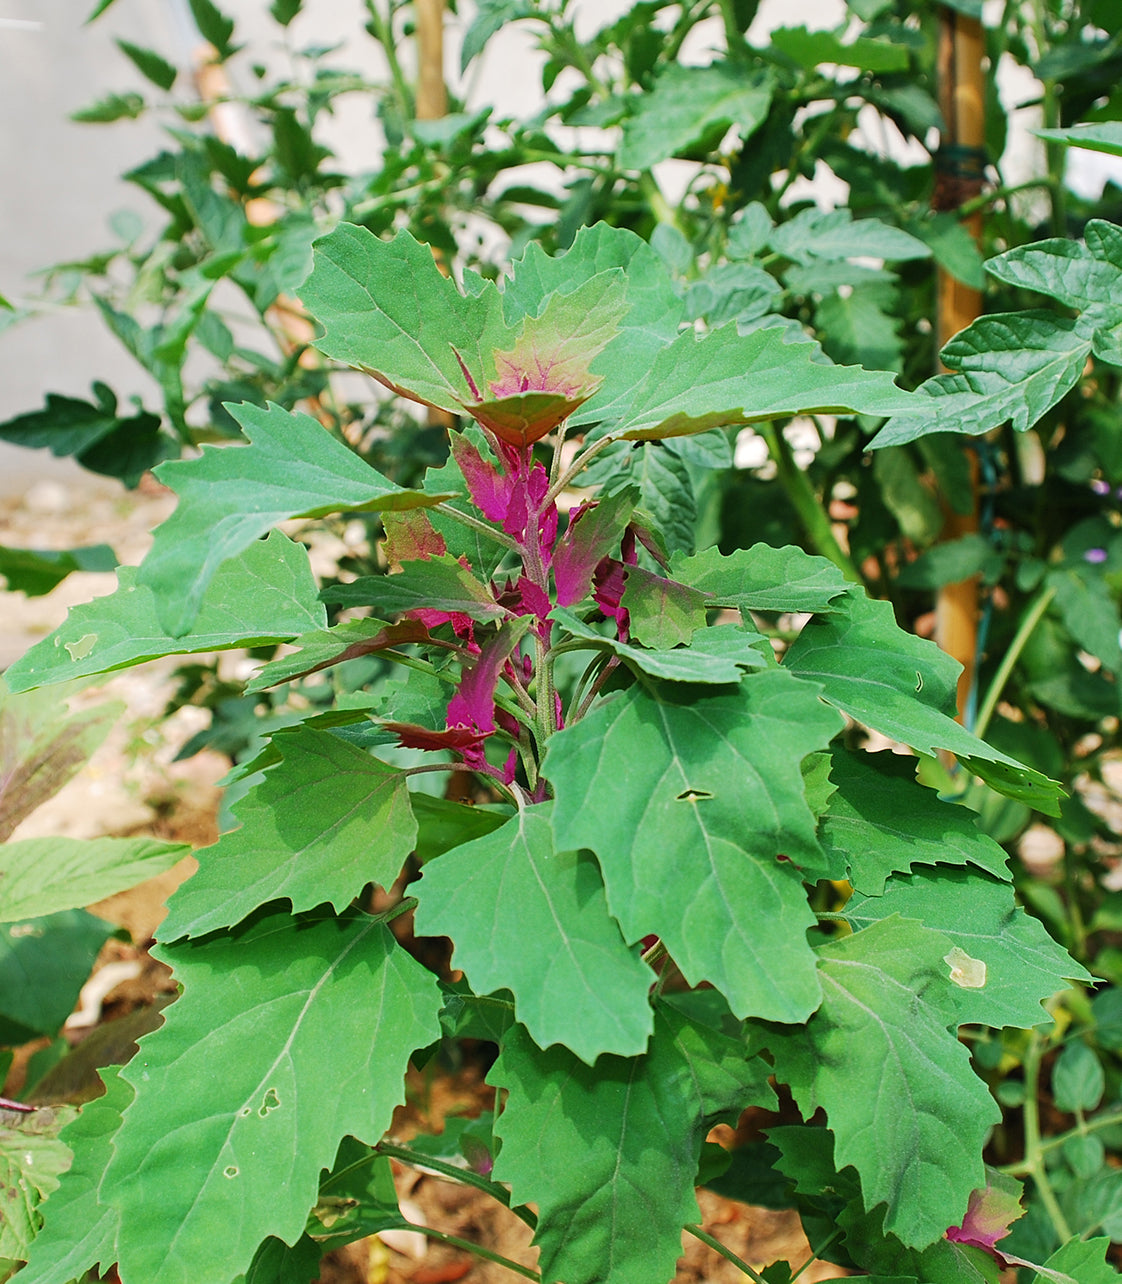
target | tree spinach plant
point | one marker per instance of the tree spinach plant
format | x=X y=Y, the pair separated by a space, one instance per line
x=643 y=899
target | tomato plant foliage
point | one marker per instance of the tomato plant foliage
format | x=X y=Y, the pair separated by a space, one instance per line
x=642 y=905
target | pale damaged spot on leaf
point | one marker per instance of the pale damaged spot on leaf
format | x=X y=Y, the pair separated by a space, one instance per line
x=270 y=1102
x=80 y=649
x=693 y=795
x=230 y=1171
x=967 y=972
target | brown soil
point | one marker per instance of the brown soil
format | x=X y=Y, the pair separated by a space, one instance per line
x=132 y=785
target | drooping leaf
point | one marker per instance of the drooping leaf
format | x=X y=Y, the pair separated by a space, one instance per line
x=289 y=1036
x=322 y=823
x=32 y=1160
x=1010 y=368
x=389 y=311
x=43 y=875
x=79 y=1233
x=44 y=962
x=696 y=813
x=686 y=103
x=610 y=1154
x=436 y=584
x=593 y=533
x=322 y=648
x=904 y=687
x=42 y=746
x=266 y=595
x=763 y=578
x=1022 y=965
x=232 y=495
x=719 y=655
x=906 y=1109
x=880 y=822
x=540 y=927
x=38 y=571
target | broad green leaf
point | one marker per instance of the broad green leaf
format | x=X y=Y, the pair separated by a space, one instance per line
x=321 y=824
x=289 y=1036
x=267 y=595
x=861 y=326
x=666 y=495
x=232 y=495
x=32 y=1160
x=696 y=813
x=389 y=310
x=904 y=1105
x=42 y=746
x=718 y=656
x=904 y=687
x=1021 y=965
x=526 y=917
x=1078 y=1080
x=811 y=48
x=79 y=1233
x=762 y=578
x=42 y=875
x=44 y=962
x=1011 y=368
x=38 y=571
x=149 y=63
x=1082 y=1260
x=610 y=1154
x=1105 y=136
x=835 y=234
x=722 y=378
x=322 y=648
x=687 y=103
x=880 y=822
x=437 y=584
x=664 y=613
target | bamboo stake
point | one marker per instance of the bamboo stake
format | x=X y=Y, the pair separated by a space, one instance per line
x=959 y=178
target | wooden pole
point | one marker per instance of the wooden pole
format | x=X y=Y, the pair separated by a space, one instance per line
x=959 y=177
x=432 y=94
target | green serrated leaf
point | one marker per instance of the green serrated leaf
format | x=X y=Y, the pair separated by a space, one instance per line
x=540 y=927
x=904 y=1105
x=389 y=311
x=322 y=823
x=42 y=746
x=703 y=805
x=439 y=583
x=688 y=102
x=664 y=613
x=1082 y=1260
x=232 y=495
x=32 y=1161
x=289 y=1036
x=149 y=63
x=880 y=822
x=904 y=687
x=666 y=495
x=80 y=1234
x=763 y=578
x=43 y=875
x=835 y=234
x=1021 y=966
x=718 y=656
x=267 y=595
x=1075 y=274
x=1012 y=368
x=610 y=1154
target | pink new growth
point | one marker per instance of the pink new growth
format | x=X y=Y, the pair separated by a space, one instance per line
x=989 y=1215
x=533 y=372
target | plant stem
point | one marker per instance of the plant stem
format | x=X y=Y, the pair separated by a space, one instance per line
x=1029 y=621
x=815 y=519
x=726 y=1253
x=1034 y=1151
x=477 y=1249
x=578 y=465
x=816 y=1252
x=464 y=1175
x=483 y=528
x=1109 y=1119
